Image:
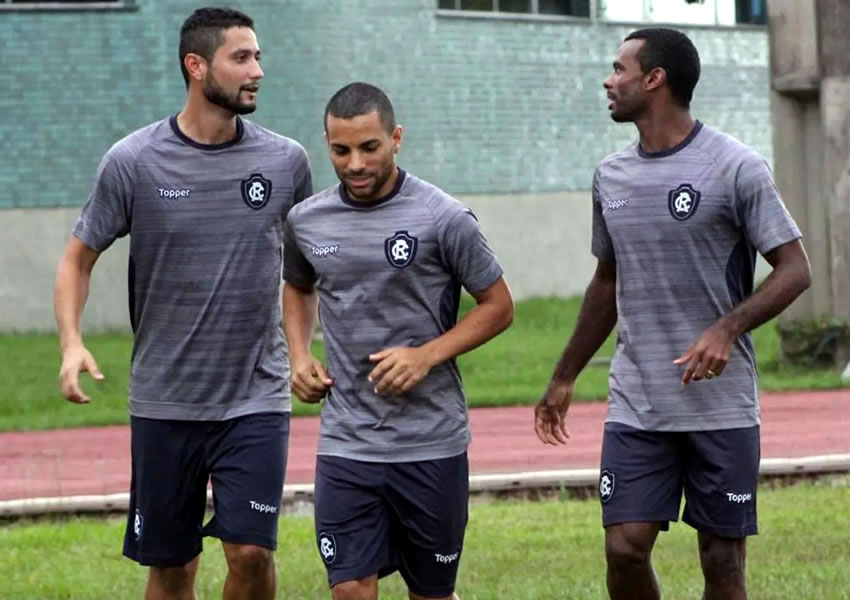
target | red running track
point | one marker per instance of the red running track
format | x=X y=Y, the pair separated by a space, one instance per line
x=70 y=462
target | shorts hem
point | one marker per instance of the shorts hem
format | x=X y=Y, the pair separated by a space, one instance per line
x=161 y=561
x=433 y=592
x=335 y=577
x=724 y=531
x=619 y=518
x=244 y=540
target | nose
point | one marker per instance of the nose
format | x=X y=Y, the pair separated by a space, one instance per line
x=607 y=83
x=258 y=71
x=356 y=162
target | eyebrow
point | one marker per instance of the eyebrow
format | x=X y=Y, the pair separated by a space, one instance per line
x=239 y=51
x=360 y=145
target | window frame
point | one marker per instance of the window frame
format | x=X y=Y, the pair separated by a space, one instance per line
x=76 y=6
x=593 y=19
x=532 y=13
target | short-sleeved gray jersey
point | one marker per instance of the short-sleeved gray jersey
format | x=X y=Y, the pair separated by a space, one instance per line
x=683 y=227
x=388 y=273
x=206 y=228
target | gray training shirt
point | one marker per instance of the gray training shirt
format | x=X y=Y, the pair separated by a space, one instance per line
x=206 y=238
x=388 y=273
x=683 y=226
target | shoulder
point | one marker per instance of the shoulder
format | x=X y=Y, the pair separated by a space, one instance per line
x=615 y=160
x=726 y=150
x=126 y=151
x=439 y=203
x=275 y=142
x=317 y=202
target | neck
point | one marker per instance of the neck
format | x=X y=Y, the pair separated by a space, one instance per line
x=662 y=130
x=205 y=122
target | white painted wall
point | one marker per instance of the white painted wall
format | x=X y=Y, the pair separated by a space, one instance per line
x=542 y=240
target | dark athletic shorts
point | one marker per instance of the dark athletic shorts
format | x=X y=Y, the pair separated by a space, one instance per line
x=376 y=518
x=245 y=458
x=643 y=475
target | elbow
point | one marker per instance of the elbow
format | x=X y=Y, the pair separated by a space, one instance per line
x=805 y=276
x=506 y=318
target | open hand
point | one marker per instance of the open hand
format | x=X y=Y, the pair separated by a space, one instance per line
x=75 y=360
x=550 y=414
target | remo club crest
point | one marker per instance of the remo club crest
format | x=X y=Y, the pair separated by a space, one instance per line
x=400 y=249
x=256 y=191
x=683 y=202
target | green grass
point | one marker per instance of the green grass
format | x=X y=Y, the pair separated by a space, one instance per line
x=517 y=550
x=512 y=369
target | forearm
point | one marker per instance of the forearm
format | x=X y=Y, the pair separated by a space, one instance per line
x=299 y=319
x=484 y=322
x=69 y=297
x=597 y=318
x=779 y=290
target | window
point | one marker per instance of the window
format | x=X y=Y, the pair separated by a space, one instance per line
x=570 y=8
x=67 y=4
x=685 y=12
x=751 y=11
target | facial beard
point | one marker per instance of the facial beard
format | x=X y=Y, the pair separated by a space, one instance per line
x=625 y=111
x=215 y=94
x=370 y=194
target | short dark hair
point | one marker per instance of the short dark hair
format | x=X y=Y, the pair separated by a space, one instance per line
x=360 y=98
x=201 y=33
x=674 y=52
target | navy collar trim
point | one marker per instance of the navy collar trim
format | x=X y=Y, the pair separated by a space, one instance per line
x=671 y=151
x=240 y=132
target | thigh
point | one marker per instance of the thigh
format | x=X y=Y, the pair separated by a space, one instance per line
x=247 y=464
x=640 y=476
x=430 y=502
x=351 y=519
x=167 y=492
x=721 y=478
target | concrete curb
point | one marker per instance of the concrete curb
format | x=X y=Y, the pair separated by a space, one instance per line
x=478 y=484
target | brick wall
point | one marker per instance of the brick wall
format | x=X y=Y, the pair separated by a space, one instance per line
x=488 y=106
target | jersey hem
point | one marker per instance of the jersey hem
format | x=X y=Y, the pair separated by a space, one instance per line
x=191 y=412
x=697 y=422
x=396 y=454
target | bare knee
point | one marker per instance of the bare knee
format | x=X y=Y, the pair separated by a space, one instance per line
x=247 y=561
x=629 y=546
x=177 y=582
x=722 y=558
x=359 y=589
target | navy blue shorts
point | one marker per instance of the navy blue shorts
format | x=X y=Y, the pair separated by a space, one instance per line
x=245 y=458
x=644 y=473
x=377 y=518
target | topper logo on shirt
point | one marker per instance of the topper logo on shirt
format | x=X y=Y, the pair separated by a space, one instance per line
x=400 y=249
x=683 y=202
x=256 y=191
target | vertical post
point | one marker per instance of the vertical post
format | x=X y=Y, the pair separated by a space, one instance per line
x=810 y=76
x=833 y=24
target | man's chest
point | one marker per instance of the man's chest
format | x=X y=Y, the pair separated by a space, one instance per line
x=211 y=198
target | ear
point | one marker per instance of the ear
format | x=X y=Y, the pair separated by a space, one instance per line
x=655 y=79
x=398 y=133
x=196 y=66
